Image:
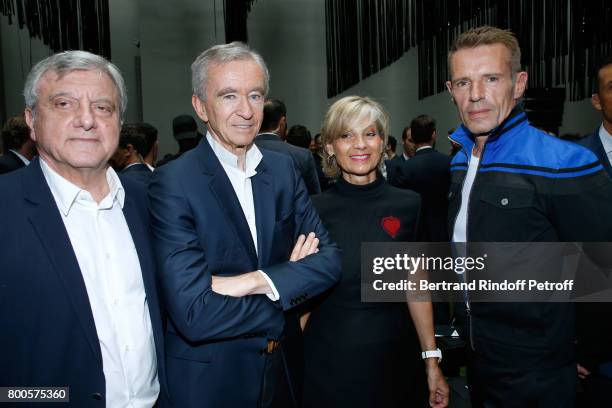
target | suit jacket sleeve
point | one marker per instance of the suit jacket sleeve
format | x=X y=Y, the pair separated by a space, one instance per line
x=310 y=276
x=397 y=176
x=578 y=210
x=312 y=179
x=185 y=278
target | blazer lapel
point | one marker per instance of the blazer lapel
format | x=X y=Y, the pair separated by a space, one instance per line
x=263 y=196
x=601 y=152
x=46 y=221
x=225 y=195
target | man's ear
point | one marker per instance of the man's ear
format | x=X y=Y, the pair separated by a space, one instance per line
x=596 y=102
x=29 y=118
x=282 y=127
x=129 y=150
x=449 y=88
x=199 y=108
x=520 y=84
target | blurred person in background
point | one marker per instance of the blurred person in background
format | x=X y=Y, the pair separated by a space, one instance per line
x=17 y=145
x=299 y=135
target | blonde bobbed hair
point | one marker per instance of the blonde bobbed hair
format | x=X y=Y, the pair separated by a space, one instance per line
x=344 y=114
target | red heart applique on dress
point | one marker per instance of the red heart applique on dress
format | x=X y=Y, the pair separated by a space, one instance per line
x=391 y=225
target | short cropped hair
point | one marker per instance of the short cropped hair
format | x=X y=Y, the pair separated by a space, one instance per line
x=66 y=62
x=486 y=35
x=15 y=133
x=392 y=143
x=299 y=135
x=132 y=134
x=274 y=110
x=423 y=128
x=220 y=55
x=601 y=65
x=405 y=133
x=341 y=116
x=150 y=133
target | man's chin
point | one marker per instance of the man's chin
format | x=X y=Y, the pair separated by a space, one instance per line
x=480 y=129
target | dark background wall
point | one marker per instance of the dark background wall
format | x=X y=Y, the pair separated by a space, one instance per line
x=165 y=37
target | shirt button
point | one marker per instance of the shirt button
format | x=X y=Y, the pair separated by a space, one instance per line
x=504 y=201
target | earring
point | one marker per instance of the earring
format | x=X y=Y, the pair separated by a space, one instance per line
x=331 y=159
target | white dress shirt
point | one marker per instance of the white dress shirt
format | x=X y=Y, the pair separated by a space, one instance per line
x=241 y=183
x=460 y=230
x=606 y=141
x=107 y=257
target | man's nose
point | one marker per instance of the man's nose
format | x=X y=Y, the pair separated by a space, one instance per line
x=476 y=91
x=245 y=109
x=85 y=117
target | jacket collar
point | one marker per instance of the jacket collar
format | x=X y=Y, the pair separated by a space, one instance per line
x=268 y=136
x=465 y=138
x=263 y=199
x=424 y=150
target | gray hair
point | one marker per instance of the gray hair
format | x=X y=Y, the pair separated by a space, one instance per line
x=219 y=55
x=66 y=62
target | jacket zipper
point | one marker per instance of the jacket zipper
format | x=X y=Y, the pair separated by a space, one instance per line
x=467 y=218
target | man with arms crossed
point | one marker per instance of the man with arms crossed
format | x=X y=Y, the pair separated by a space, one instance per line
x=225 y=217
x=513 y=183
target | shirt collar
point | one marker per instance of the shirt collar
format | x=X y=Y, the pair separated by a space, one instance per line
x=21 y=156
x=253 y=156
x=423 y=148
x=606 y=139
x=66 y=193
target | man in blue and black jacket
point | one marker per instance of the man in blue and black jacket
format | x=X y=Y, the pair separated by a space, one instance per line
x=514 y=183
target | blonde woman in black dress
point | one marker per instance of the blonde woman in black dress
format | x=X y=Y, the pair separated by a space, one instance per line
x=366 y=354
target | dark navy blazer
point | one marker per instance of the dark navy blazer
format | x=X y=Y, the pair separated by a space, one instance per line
x=302 y=158
x=9 y=161
x=47 y=331
x=213 y=342
x=138 y=172
x=593 y=142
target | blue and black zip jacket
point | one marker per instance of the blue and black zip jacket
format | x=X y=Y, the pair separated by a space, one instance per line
x=530 y=187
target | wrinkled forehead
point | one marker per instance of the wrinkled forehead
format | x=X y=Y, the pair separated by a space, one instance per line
x=244 y=72
x=78 y=78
